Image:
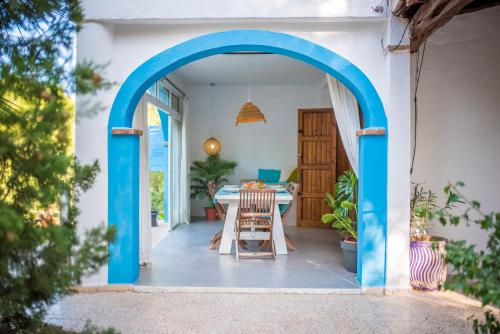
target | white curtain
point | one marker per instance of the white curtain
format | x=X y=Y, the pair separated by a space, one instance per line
x=185 y=165
x=141 y=122
x=345 y=108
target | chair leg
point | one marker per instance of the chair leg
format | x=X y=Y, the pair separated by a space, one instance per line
x=289 y=243
x=237 y=243
x=215 y=244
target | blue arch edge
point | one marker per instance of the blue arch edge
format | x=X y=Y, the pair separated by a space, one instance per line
x=123 y=151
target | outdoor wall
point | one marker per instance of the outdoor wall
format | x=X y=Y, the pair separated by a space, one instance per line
x=459 y=114
x=172 y=10
x=272 y=145
x=124 y=45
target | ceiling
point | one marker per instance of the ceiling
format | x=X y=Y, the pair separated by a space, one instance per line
x=234 y=69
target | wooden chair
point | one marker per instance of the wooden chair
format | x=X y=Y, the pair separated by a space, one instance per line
x=243 y=181
x=293 y=189
x=255 y=214
x=221 y=211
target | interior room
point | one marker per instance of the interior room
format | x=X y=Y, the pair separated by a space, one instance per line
x=293 y=142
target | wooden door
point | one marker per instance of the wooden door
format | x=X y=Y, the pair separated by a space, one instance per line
x=316 y=164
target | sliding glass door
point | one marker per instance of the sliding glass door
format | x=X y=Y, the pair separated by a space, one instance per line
x=174 y=175
x=167 y=101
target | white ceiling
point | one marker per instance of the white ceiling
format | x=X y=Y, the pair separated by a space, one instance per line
x=233 y=69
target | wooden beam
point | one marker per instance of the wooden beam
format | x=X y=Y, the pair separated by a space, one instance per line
x=371 y=132
x=479 y=5
x=126 y=131
x=431 y=16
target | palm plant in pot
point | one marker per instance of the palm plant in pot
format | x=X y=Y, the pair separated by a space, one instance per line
x=427 y=264
x=212 y=169
x=343 y=216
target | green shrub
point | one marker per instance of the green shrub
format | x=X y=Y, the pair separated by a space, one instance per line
x=475 y=272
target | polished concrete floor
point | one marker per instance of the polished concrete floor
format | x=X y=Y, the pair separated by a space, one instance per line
x=182 y=259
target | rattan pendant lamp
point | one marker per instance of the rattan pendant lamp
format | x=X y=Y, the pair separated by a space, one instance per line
x=249 y=112
x=212 y=146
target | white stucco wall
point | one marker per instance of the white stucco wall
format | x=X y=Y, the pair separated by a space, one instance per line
x=459 y=115
x=253 y=146
x=126 y=45
x=171 y=10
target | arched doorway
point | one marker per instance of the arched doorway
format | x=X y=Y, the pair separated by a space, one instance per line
x=123 y=144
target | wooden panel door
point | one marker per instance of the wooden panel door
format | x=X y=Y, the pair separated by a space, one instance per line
x=316 y=164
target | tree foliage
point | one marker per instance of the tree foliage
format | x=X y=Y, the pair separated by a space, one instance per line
x=475 y=272
x=41 y=253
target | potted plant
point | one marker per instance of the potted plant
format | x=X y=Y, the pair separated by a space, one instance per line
x=427 y=264
x=212 y=169
x=157 y=196
x=343 y=216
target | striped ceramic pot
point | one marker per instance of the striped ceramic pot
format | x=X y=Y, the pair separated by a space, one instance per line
x=427 y=266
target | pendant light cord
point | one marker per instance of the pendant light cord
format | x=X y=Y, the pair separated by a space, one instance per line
x=249 y=78
x=212 y=84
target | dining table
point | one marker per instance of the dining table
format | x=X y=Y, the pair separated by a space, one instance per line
x=231 y=198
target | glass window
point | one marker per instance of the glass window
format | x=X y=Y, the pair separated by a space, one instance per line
x=164 y=95
x=152 y=90
x=175 y=102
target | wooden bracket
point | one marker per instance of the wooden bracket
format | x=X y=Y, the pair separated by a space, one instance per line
x=371 y=132
x=396 y=48
x=126 y=131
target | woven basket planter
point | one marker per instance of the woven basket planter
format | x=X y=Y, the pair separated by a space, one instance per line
x=427 y=266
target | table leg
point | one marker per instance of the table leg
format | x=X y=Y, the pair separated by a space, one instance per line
x=278 y=233
x=228 y=232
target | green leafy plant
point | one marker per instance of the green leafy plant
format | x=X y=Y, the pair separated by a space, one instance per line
x=42 y=255
x=475 y=272
x=212 y=169
x=422 y=202
x=157 y=190
x=344 y=205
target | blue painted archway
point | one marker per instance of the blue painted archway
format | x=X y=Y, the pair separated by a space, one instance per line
x=123 y=150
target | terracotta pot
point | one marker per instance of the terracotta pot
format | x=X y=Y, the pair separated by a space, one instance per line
x=350 y=251
x=210 y=214
x=427 y=267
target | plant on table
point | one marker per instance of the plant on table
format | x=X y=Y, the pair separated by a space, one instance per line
x=214 y=168
x=475 y=272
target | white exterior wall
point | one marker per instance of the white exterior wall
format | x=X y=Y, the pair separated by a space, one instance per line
x=459 y=115
x=129 y=45
x=170 y=10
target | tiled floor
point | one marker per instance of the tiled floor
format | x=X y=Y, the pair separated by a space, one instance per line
x=182 y=258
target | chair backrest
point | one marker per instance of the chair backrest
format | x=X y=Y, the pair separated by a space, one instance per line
x=293 y=189
x=256 y=203
x=243 y=181
x=212 y=190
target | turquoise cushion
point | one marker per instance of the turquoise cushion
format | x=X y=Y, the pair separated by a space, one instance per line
x=283 y=208
x=269 y=175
